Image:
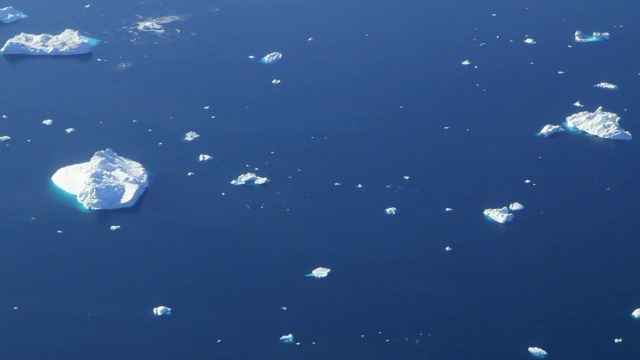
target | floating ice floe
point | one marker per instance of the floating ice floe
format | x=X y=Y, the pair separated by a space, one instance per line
x=5 y=138
x=448 y=248
x=606 y=86
x=191 y=135
x=276 y=81
x=390 y=211
x=69 y=42
x=249 y=178
x=516 y=206
x=636 y=313
x=596 y=36
x=578 y=104
x=287 y=339
x=47 y=122
x=150 y=26
x=537 y=352
x=205 y=157
x=69 y=130
x=271 y=58
x=466 y=62
x=448 y=209
x=501 y=215
x=549 y=130
x=617 y=340
x=529 y=41
x=107 y=181
x=320 y=272
x=9 y=14
x=599 y=123
x=114 y=227
x=161 y=311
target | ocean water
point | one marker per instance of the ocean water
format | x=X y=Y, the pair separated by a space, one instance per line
x=379 y=94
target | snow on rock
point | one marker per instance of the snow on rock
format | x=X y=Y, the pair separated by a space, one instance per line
x=537 y=352
x=161 y=311
x=249 y=178
x=320 y=272
x=549 y=130
x=107 y=181
x=69 y=42
x=9 y=14
x=501 y=215
x=599 y=123
x=271 y=58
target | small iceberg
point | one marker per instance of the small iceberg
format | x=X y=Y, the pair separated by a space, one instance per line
x=271 y=58
x=636 y=313
x=537 y=352
x=466 y=62
x=287 y=339
x=9 y=14
x=205 y=157
x=161 y=311
x=47 y=122
x=69 y=42
x=599 y=123
x=320 y=272
x=606 y=86
x=390 y=211
x=578 y=104
x=114 y=227
x=549 y=130
x=107 y=181
x=249 y=178
x=501 y=215
x=5 y=138
x=529 y=41
x=151 y=26
x=596 y=36
x=516 y=206
x=191 y=135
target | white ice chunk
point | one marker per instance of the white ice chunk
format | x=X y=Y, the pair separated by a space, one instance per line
x=47 y=122
x=390 y=211
x=596 y=36
x=69 y=42
x=9 y=14
x=271 y=58
x=617 y=340
x=448 y=209
x=288 y=339
x=161 y=310
x=320 y=272
x=537 y=352
x=151 y=26
x=5 y=138
x=578 y=104
x=515 y=206
x=466 y=62
x=529 y=41
x=599 y=123
x=636 y=313
x=276 y=81
x=205 y=157
x=448 y=248
x=107 y=181
x=249 y=178
x=549 y=130
x=606 y=86
x=69 y=130
x=114 y=227
x=501 y=215
x=191 y=135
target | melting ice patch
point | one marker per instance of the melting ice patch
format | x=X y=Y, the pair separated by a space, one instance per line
x=271 y=58
x=537 y=352
x=9 y=14
x=320 y=272
x=596 y=36
x=155 y=30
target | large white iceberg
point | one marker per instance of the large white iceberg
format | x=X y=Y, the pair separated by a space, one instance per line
x=69 y=42
x=271 y=58
x=599 y=123
x=107 y=181
x=549 y=130
x=596 y=36
x=537 y=352
x=501 y=215
x=9 y=14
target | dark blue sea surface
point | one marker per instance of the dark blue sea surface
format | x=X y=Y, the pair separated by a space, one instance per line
x=378 y=94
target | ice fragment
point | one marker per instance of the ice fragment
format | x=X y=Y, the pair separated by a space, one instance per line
x=501 y=215
x=271 y=58
x=161 y=311
x=191 y=135
x=287 y=339
x=390 y=211
x=320 y=272
x=537 y=352
x=249 y=178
